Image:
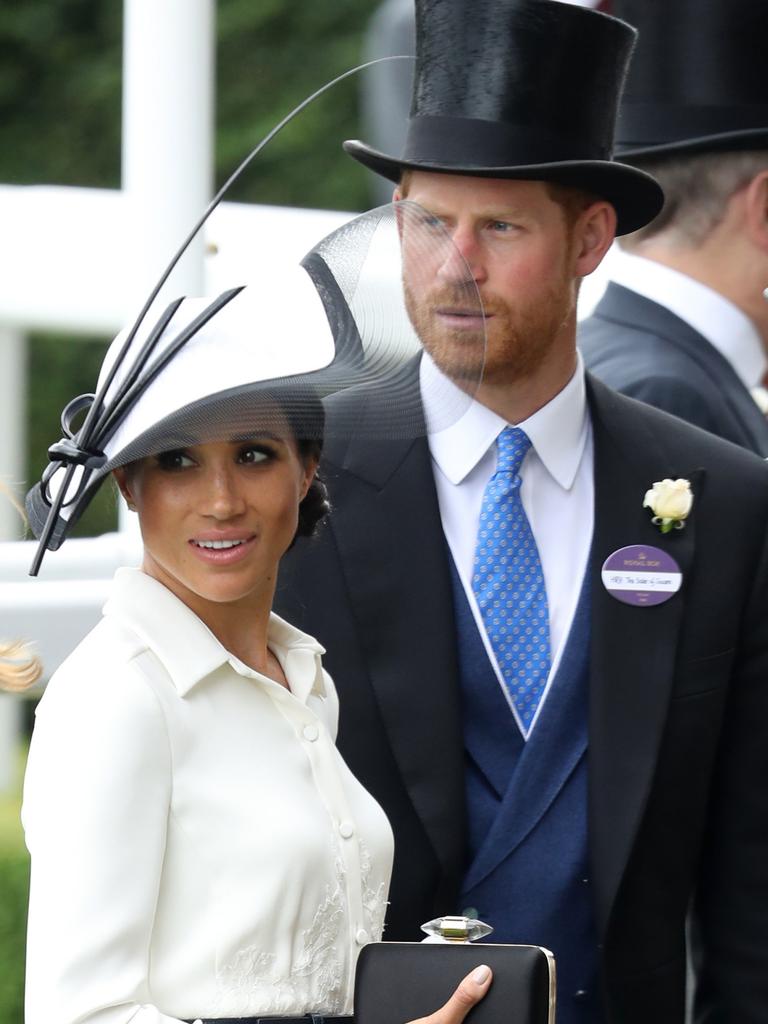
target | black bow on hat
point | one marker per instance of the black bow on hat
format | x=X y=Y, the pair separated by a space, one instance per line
x=525 y=89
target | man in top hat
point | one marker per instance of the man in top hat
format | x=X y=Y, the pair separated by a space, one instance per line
x=684 y=323
x=553 y=670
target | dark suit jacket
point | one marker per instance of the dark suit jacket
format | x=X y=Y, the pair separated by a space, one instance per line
x=678 y=758
x=642 y=349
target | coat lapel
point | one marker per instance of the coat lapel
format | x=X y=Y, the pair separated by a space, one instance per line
x=633 y=649
x=400 y=588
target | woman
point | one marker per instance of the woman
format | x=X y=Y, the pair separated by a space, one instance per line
x=199 y=849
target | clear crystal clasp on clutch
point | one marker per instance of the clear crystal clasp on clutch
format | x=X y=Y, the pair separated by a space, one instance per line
x=456 y=929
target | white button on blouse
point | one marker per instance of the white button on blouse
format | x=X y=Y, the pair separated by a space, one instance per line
x=183 y=814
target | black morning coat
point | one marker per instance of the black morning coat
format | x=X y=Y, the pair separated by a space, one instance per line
x=644 y=350
x=678 y=716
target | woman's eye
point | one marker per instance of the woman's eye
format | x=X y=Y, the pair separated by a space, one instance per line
x=174 y=460
x=253 y=455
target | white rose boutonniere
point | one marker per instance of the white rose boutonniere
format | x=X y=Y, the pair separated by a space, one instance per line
x=670 y=501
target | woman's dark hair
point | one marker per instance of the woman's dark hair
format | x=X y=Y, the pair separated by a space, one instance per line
x=315 y=506
x=306 y=418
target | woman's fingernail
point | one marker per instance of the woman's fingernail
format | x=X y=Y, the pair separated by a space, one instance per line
x=480 y=974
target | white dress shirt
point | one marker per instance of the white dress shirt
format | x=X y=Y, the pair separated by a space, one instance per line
x=715 y=318
x=199 y=847
x=557 y=492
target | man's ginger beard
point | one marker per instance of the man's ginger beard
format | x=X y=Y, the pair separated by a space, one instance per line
x=517 y=340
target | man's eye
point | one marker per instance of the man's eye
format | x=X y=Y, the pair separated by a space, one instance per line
x=431 y=221
x=174 y=460
x=501 y=226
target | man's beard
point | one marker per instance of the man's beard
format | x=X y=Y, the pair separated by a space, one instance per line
x=459 y=351
x=520 y=340
x=513 y=345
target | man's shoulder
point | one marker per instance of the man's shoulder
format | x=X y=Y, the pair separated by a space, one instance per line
x=680 y=441
x=649 y=353
x=626 y=307
x=631 y=336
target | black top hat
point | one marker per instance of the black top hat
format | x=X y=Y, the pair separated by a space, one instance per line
x=520 y=89
x=698 y=81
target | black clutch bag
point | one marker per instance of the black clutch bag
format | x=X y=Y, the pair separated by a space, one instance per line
x=401 y=981
x=397 y=982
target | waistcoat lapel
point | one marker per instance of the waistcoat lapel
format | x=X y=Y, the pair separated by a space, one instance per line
x=548 y=758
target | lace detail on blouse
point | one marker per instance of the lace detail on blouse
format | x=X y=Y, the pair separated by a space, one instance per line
x=250 y=983
x=375 y=901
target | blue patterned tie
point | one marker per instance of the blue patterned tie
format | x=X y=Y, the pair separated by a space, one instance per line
x=508 y=581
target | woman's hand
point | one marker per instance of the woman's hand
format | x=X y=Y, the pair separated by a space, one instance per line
x=470 y=991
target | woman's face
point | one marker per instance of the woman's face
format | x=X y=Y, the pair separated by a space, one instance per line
x=216 y=518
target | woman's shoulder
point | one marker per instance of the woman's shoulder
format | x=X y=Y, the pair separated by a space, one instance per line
x=105 y=669
x=99 y=731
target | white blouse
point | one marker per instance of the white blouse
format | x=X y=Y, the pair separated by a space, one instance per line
x=199 y=847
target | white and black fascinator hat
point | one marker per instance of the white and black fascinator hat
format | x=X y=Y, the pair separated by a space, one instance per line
x=218 y=369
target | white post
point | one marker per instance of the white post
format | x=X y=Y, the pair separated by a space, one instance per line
x=168 y=110
x=13 y=354
x=168 y=89
x=13 y=375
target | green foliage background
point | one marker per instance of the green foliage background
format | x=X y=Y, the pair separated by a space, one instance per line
x=60 y=106
x=14 y=886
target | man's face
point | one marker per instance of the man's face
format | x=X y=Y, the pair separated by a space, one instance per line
x=517 y=247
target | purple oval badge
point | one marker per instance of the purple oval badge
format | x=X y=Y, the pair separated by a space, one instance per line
x=641 y=575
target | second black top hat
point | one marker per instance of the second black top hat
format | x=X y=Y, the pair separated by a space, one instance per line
x=524 y=89
x=699 y=77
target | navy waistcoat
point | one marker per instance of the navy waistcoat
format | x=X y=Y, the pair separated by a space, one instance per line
x=527 y=872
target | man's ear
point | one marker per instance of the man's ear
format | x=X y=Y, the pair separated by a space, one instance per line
x=594 y=232
x=756 y=210
x=396 y=198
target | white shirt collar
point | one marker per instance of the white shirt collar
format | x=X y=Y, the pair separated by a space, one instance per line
x=558 y=431
x=716 y=318
x=188 y=649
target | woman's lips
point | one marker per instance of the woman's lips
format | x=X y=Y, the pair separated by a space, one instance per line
x=222 y=551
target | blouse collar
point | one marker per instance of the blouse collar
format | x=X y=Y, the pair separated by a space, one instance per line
x=190 y=652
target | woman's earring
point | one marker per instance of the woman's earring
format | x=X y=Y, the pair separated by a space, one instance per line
x=131 y=506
